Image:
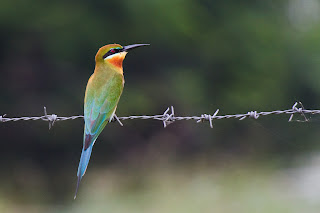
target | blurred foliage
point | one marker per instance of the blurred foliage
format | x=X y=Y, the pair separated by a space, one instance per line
x=233 y=55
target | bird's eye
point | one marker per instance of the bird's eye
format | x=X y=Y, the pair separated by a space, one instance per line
x=112 y=51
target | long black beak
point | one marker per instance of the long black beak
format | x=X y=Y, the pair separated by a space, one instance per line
x=133 y=46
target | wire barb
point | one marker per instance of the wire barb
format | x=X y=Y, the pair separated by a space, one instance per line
x=209 y=118
x=168 y=117
x=2 y=118
x=50 y=118
x=117 y=119
x=298 y=110
x=251 y=114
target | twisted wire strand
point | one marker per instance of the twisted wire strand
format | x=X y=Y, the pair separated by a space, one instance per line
x=169 y=117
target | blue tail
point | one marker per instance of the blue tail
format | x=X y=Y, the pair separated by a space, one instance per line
x=84 y=160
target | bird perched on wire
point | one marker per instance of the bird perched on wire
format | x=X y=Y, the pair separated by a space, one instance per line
x=103 y=92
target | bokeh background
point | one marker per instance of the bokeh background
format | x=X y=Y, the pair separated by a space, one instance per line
x=233 y=55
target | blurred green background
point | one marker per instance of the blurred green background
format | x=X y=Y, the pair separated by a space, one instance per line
x=233 y=55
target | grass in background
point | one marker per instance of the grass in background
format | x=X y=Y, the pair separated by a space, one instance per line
x=192 y=189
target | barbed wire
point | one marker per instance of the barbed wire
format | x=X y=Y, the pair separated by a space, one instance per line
x=169 y=116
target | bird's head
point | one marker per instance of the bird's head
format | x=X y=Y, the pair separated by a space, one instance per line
x=114 y=54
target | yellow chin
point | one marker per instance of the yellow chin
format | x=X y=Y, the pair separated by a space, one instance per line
x=116 y=59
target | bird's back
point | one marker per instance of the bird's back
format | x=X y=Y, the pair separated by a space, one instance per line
x=102 y=96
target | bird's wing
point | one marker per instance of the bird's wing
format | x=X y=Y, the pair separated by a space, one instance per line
x=102 y=97
x=100 y=105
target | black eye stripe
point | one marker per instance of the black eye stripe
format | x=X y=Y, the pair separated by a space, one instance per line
x=111 y=52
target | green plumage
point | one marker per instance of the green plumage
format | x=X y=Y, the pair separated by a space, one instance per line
x=102 y=96
x=103 y=92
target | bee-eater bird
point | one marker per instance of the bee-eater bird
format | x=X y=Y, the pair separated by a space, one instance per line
x=103 y=92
